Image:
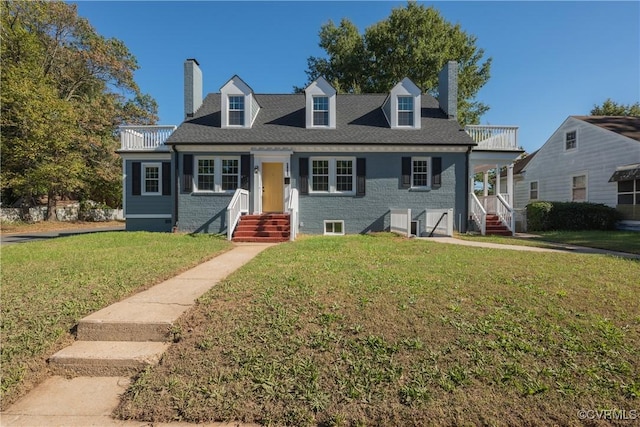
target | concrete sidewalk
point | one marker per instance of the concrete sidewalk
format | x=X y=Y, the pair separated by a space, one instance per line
x=84 y=396
x=558 y=247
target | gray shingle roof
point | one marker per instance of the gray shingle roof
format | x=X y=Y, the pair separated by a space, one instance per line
x=624 y=125
x=281 y=120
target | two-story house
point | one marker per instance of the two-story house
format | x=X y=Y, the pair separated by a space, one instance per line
x=268 y=166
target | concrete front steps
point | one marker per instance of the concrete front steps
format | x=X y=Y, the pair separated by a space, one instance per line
x=495 y=227
x=266 y=228
x=123 y=338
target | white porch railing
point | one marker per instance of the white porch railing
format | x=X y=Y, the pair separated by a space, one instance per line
x=292 y=207
x=401 y=221
x=494 y=137
x=478 y=213
x=239 y=204
x=146 y=138
x=506 y=214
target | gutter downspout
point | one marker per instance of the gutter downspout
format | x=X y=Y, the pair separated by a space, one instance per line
x=176 y=188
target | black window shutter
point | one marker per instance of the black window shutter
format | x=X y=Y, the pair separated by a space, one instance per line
x=136 y=183
x=303 y=186
x=245 y=172
x=187 y=173
x=166 y=178
x=436 y=171
x=406 y=173
x=361 y=176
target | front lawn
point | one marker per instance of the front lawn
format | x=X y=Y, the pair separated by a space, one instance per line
x=380 y=330
x=47 y=286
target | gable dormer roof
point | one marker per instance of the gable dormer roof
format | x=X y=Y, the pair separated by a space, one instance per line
x=318 y=113
x=238 y=105
x=402 y=107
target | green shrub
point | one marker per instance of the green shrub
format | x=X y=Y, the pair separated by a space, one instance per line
x=546 y=216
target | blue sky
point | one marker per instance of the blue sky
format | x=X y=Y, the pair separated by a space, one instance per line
x=550 y=59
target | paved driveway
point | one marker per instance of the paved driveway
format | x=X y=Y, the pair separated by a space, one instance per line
x=8 y=239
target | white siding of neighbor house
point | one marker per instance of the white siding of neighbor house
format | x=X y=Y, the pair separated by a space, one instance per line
x=599 y=152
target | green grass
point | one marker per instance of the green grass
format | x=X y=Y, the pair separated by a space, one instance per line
x=379 y=330
x=48 y=286
x=622 y=241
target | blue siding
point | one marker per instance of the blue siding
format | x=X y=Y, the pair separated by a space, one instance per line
x=383 y=192
x=146 y=204
x=203 y=213
x=149 y=224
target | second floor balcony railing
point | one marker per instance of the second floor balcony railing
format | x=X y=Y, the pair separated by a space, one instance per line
x=144 y=138
x=499 y=138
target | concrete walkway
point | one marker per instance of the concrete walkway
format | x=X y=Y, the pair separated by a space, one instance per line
x=25 y=237
x=103 y=344
x=557 y=247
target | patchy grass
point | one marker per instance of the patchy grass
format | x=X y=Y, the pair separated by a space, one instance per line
x=34 y=227
x=379 y=330
x=48 y=286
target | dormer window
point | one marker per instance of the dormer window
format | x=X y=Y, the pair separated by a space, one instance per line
x=405 y=111
x=320 y=105
x=239 y=107
x=403 y=107
x=320 y=111
x=236 y=111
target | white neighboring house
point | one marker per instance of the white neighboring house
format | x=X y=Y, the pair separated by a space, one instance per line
x=592 y=159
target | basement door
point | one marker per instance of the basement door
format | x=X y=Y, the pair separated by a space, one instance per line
x=272 y=187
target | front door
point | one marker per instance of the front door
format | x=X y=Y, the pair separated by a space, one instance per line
x=272 y=187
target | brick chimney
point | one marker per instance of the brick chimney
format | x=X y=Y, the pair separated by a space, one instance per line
x=448 y=89
x=192 y=87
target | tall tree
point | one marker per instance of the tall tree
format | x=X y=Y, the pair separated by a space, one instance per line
x=65 y=89
x=414 y=41
x=612 y=108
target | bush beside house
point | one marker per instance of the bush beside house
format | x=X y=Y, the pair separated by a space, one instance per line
x=546 y=216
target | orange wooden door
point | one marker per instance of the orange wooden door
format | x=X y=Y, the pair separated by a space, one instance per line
x=272 y=187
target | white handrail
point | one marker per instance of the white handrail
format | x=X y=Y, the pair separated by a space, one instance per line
x=292 y=207
x=505 y=213
x=478 y=213
x=494 y=137
x=238 y=205
x=144 y=137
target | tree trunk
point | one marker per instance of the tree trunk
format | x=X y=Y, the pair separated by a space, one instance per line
x=51 y=206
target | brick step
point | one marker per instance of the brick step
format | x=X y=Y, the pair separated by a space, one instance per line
x=244 y=227
x=106 y=358
x=264 y=217
x=254 y=233
x=260 y=239
x=254 y=223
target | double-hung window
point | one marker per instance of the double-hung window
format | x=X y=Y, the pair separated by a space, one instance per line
x=333 y=175
x=571 y=140
x=217 y=174
x=236 y=111
x=629 y=192
x=533 y=190
x=579 y=188
x=420 y=172
x=405 y=111
x=320 y=111
x=151 y=173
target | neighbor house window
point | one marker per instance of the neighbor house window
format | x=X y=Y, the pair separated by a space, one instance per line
x=405 y=111
x=579 y=188
x=420 y=175
x=151 y=179
x=217 y=174
x=570 y=140
x=333 y=175
x=320 y=111
x=236 y=110
x=333 y=228
x=533 y=190
x=629 y=192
